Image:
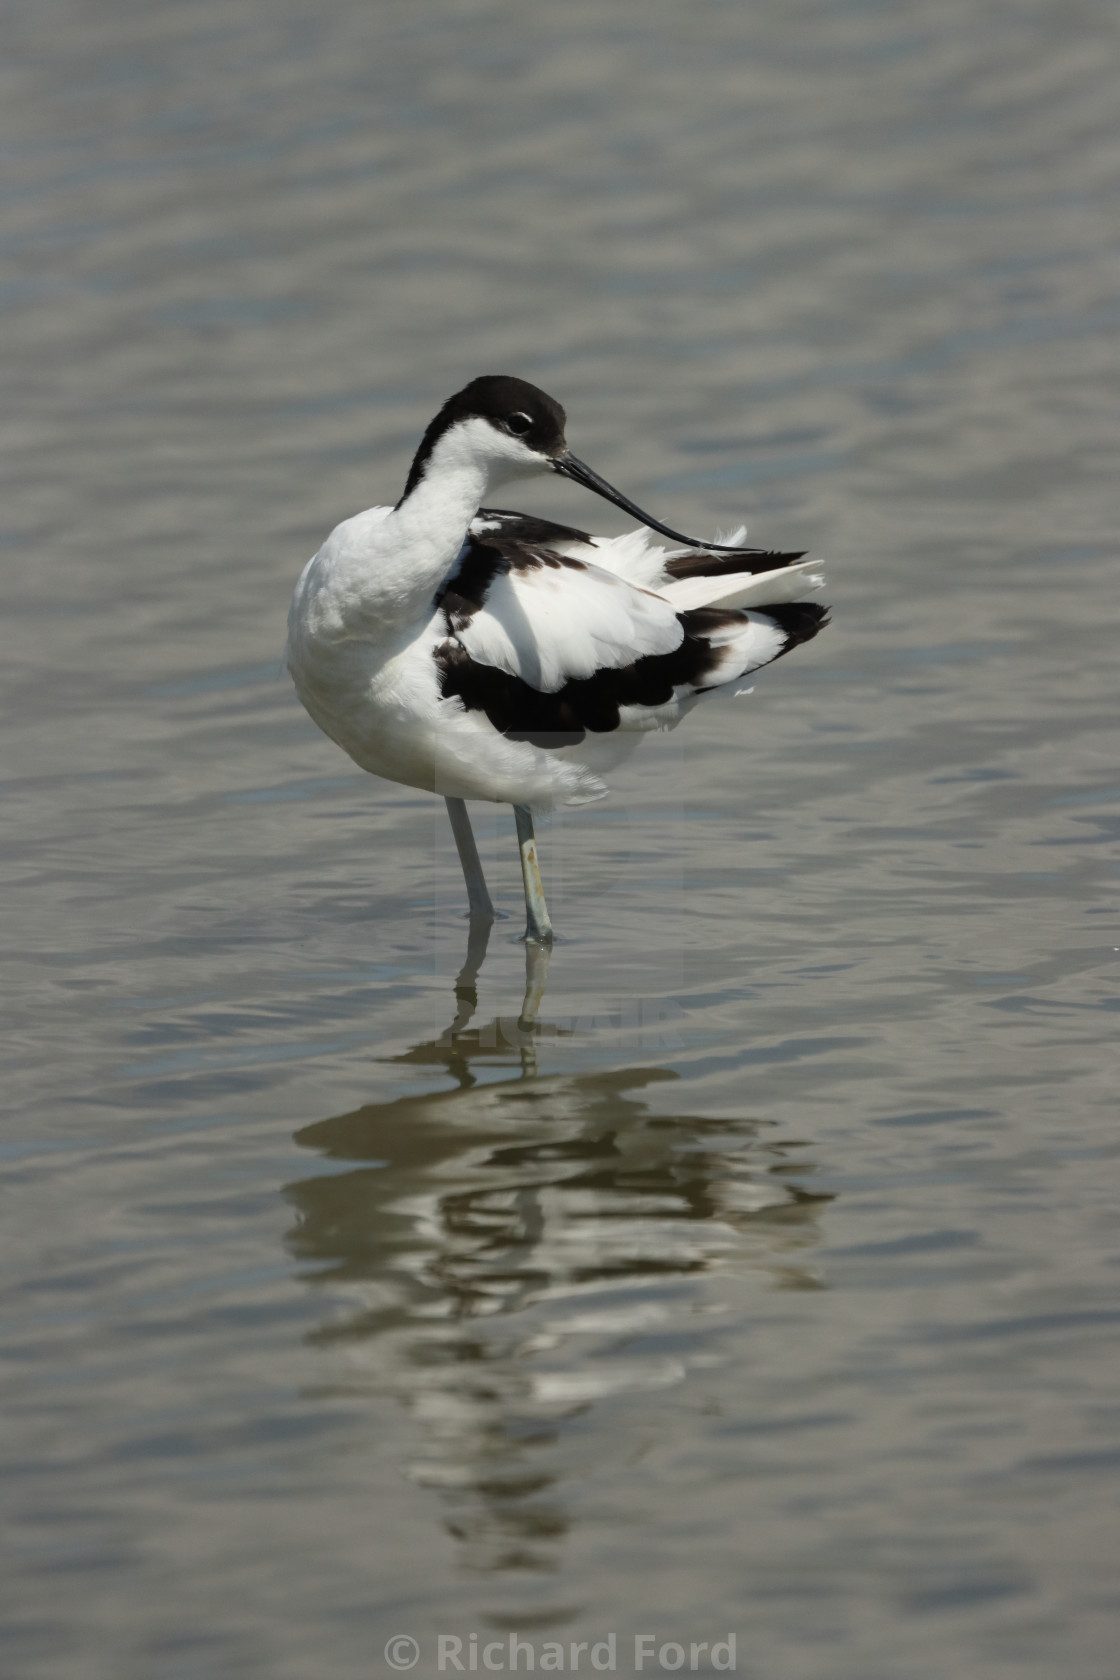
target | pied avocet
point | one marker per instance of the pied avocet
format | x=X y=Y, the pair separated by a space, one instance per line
x=484 y=654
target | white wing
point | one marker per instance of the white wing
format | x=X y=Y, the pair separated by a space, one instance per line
x=552 y=619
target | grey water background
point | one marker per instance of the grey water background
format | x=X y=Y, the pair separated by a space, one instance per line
x=772 y=1285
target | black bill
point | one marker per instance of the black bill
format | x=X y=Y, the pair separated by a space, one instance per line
x=568 y=466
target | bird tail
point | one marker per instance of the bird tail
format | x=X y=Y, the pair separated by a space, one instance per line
x=726 y=588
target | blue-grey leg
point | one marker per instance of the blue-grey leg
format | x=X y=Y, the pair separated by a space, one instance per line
x=536 y=977
x=478 y=898
x=537 y=954
x=537 y=925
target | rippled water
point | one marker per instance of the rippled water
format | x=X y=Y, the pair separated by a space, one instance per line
x=769 y=1284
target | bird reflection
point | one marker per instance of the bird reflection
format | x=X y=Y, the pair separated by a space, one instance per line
x=505 y=1252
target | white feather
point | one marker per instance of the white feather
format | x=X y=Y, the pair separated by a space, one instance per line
x=786 y=583
x=551 y=624
x=635 y=556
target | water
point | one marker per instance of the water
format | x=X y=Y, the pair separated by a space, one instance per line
x=770 y=1286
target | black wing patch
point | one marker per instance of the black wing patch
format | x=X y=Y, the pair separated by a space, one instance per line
x=499 y=541
x=799 y=619
x=523 y=713
x=526 y=528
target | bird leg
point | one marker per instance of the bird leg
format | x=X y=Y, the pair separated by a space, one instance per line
x=537 y=956
x=537 y=926
x=478 y=898
x=536 y=978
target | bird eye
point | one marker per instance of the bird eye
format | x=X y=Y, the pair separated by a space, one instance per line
x=518 y=424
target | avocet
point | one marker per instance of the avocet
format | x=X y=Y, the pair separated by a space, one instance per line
x=486 y=654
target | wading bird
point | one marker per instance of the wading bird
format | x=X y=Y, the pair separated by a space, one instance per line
x=484 y=654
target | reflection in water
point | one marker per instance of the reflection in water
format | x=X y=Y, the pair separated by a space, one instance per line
x=520 y=1246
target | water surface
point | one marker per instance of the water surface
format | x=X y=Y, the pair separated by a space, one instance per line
x=769 y=1283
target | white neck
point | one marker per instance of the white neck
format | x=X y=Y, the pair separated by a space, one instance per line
x=422 y=537
x=431 y=523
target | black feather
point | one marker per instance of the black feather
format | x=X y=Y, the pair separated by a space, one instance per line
x=523 y=713
x=800 y=620
x=520 y=544
x=713 y=565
